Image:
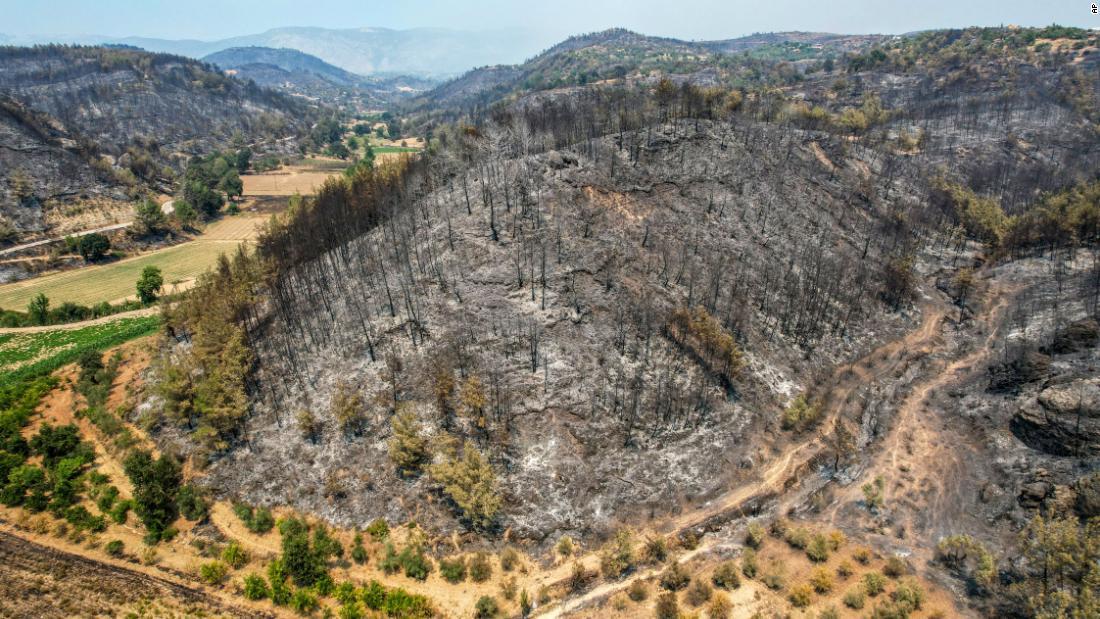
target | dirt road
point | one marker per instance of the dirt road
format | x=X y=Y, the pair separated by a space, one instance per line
x=788 y=467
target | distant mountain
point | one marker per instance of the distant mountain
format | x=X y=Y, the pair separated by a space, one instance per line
x=288 y=60
x=425 y=52
x=301 y=74
x=618 y=54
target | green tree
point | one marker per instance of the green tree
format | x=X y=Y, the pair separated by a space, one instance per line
x=39 y=309
x=469 y=481
x=148 y=217
x=149 y=284
x=244 y=157
x=94 y=246
x=408 y=447
x=156 y=482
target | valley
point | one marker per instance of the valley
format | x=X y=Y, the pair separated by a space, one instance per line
x=795 y=324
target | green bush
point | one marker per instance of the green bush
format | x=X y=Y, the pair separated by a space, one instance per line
x=115 y=547
x=480 y=567
x=255 y=587
x=358 y=552
x=214 y=572
x=818 y=549
x=874 y=583
x=415 y=563
x=637 y=591
x=378 y=529
x=234 y=555
x=486 y=607
x=373 y=595
x=453 y=570
x=191 y=503
x=304 y=602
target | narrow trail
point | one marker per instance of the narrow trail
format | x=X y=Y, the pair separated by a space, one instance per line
x=921 y=460
x=784 y=470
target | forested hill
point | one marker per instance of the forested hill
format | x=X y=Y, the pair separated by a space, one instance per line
x=80 y=123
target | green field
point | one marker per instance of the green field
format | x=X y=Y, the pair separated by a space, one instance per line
x=115 y=282
x=385 y=150
x=29 y=354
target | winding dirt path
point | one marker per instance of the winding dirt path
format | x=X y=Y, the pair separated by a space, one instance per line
x=922 y=458
x=786 y=469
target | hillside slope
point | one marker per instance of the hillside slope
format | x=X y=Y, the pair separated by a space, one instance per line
x=86 y=124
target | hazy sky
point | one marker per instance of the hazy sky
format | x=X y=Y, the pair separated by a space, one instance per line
x=550 y=19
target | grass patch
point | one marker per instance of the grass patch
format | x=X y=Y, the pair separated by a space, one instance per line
x=23 y=355
x=115 y=281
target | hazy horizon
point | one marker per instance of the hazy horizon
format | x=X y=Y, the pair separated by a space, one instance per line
x=205 y=20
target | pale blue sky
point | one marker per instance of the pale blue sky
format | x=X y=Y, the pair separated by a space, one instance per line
x=552 y=19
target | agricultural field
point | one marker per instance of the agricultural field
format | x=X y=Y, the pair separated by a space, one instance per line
x=114 y=282
x=26 y=354
x=303 y=178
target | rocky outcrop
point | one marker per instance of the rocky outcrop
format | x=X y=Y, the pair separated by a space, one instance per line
x=1063 y=419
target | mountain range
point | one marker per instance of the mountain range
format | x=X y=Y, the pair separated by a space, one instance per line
x=424 y=52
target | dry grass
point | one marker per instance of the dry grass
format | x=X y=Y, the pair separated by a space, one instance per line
x=288 y=180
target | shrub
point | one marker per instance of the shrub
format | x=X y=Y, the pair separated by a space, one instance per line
x=801 y=414
x=801 y=595
x=509 y=559
x=675 y=577
x=389 y=563
x=836 y=540
x=874 y=583
x=358 y=552
x=261 y=522
x=698 y=593
x=667 y=608
x=656 y=549
x=637 y=591
x=480 y=567
x=114 y=548
x=469 y=481
x=373 y=595
x=617 y=556
x=862 y=555
x=895 y=567
x=255 y=587
x=234 y=555
x=855 y=599
x=352 y=610
x=565 y=546
x=909 y=594
x=378 y=529
x=453 y=570
x=829 y=612
x=844 y=569
x=774 y=578
x=720 y=606
x=415 y=563
x=755 y=536
x=797 y=537
x=578 y=578
x=726 y=576
x=304 y=602
x=749 y=565
x=408 y=445
x=508 y=588
x=345 y=592
x=486 y=607
x=822 y=580
x=191 y=503
x=778 y=528
x=818 y=549
x=213 y=573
